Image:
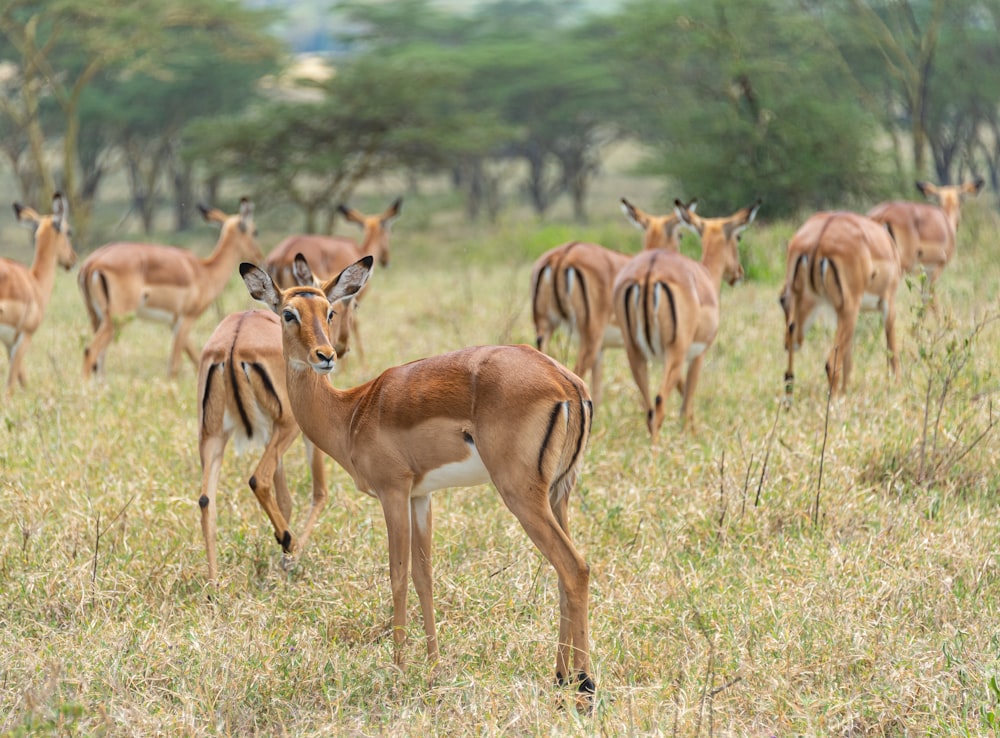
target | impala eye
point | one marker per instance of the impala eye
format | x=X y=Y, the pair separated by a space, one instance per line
x=329 y=316
x=288 y=316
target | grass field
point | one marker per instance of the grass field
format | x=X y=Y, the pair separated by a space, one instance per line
x=825 y=570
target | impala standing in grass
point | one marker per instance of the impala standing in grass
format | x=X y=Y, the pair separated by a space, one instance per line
x=926 y=233
x=328 y=256
x=668 y=307
x=503 y=414
x=25 y=292
x=846 y=263
x=162 y=283
x=242 y=396
x=572 y=285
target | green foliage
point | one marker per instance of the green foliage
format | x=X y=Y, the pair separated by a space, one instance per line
x=746 y=104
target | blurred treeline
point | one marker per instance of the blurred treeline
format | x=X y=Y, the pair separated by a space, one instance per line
x=806 y=103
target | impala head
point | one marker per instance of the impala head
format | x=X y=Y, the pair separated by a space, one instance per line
x=375 y=227
x=659 y=231
x=720 y=237
x=52 y=232
x=307 y=311
x=949 y=197
x=239 y=229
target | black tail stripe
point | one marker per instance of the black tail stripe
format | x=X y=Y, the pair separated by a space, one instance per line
x=673 y=310
x=627 y=305
x=234 y=383
x=209 y=378
x=265 y=379
x=553 y=419
x=586 y=303
x=647 y=320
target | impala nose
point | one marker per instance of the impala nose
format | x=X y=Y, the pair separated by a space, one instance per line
x=324 y=360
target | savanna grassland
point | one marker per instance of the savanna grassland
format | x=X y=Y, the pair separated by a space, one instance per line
x=823 y=569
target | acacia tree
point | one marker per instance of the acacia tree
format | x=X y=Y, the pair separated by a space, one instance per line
x=746 y=104
x=59 y=49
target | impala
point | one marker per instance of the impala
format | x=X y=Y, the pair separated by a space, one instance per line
x=509 y=415
x=846 y=263
x=327 y=256
x=24 y=292
x=668 y=307
x=926 y=233
x=242 y=396
x=572 y=285
x=161 y=283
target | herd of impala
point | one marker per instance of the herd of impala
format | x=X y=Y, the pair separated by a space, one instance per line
x=510 y=415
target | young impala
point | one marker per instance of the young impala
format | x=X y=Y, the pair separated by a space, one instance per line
x=242 y=396
x=572 y=285
x=327 y=256
x=24 y=292
x=846 y=263
x=926 y=233
x=668 y=307
x=503 y=414
x=161 y=283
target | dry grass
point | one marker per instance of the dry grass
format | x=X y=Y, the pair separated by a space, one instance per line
x=719 y=607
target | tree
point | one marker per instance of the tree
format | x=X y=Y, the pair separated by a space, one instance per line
x=746 y=104
x=60 y=48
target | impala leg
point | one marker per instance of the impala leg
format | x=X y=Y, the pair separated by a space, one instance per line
x=15 y=354
x=211 y=464
x=539 y=519
x=640 y=374
x=672 y=379
x=890 y=339
x=262 y=484
x=319 y=491
x=182 y=330
x=396 y=509
x=423 y=576
x=596 y=373
x=838 y=362
x=687 y=405
x=93 y=354
x=589 y=361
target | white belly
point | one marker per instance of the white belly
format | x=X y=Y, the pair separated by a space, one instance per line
x=156 y=316
x=696 y=350
x=466 y=473
x=870 y=302
x=7 y=334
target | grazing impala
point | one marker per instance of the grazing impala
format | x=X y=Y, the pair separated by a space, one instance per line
x=503 y=414
x=926 y=233
x=329 y=255
x=848 y=263
x=24 y=292
x=668 y=307
x=572 y=285
x=242 y=395
x=161 y=283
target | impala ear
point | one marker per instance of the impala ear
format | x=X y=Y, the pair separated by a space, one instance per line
x=392 y=212
x=347 y=284
x=632 y=213
x=246 y=214
x=302 y=273
x=974 y=187
x=926 y=189
x=260 y=285
x=351 y=214
x=211 y=215
x=26 y=216
x=687 y=217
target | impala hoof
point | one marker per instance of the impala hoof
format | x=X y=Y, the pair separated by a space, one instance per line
x=289 y=561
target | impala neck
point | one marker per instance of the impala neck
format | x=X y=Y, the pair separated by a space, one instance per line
x=323 y=412
x=43 y=268
x=714 y=261
x=218 y=267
